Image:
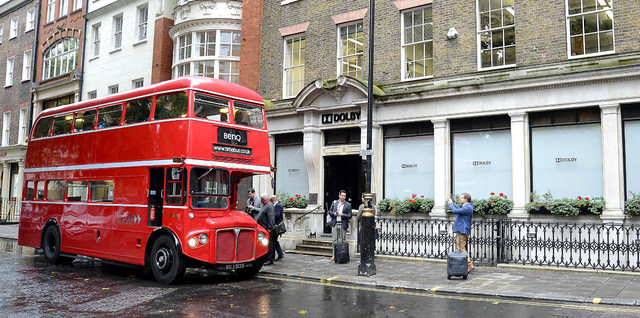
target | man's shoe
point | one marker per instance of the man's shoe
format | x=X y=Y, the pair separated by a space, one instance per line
x=267 y=263
x=279 y=258
x=332 y=259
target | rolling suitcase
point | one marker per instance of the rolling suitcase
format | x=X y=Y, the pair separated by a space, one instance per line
x=341 y=252
x=457 y=264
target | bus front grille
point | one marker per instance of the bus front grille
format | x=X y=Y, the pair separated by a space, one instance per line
x=235 y=245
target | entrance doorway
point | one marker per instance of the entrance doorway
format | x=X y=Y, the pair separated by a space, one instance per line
x=342 y=173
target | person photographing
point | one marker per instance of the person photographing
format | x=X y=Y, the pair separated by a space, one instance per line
x=462 y=224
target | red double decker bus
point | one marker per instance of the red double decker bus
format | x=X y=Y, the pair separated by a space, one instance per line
x=148 y=177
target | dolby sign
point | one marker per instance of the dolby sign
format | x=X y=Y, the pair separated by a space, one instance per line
x=340 y=117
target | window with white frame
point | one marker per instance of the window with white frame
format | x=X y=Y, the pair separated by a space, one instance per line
x=6 y=124
x=214 y=54
x=496 y=33
x=61 y=58
x=64 y=7
x=13 y=32
x=9 y=80
x=77 y=5
x=31 y=20
x=417 y=43
x=51 y=8
x=137 y=83
x=590 y=24
x=95 y=30
x=294 y=59
x=350 y=50
x=143 y=16
x=22 y=132
x=113 y=89
x=92 y=95
x=117 y=32
x=26 y=65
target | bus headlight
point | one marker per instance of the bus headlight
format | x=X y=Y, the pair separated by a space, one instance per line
x=265 y=241
x=191 y=215
x=204 y=238
x=260 y=236
x=193 y=242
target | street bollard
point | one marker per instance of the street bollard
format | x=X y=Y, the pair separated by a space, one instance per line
x=367 y=266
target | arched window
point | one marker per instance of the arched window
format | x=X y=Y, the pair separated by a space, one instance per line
x=61 y=58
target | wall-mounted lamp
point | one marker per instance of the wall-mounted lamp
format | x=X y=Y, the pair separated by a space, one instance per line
x=452 y=34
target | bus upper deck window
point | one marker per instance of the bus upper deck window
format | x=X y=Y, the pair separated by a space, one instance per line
x=109 y=116
x=40 y=190
x=211 y=107
x=171 y=106
x=62 y=124
x=30 y=189
x=84 y=121
x=137 y=111
x=247 y=114
x=55 y=190
x=43 y=128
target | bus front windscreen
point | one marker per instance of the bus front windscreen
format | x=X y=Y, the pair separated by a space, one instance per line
x=209 y=188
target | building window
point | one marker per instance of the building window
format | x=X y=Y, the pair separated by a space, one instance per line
x=137 y=83
x=77 y=5
x=214 y=54
x=417 y=43
x=496 y=33
x=143 y=16
x=64 y=8
x=590 y=26
x=6 y=124
x=9 y=80
x=293 y=72
x=96 y=39
x=117 y=32
x=22 y=132
x=113 y=89
x=350 y=50
x=293 y=177
x=26 y=66
x=13 y=32
x=59 y=101
x=51 y=7
x=31 y=20
x=92 y=95
x=61 y=58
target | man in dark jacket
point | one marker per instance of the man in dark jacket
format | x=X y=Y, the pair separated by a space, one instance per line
x=340 y=214
x=267 y=219
x=462 y=224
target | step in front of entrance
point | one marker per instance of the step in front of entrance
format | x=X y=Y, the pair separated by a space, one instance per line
x=320 y=247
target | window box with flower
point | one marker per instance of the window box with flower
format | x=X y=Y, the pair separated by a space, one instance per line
x=414 y=204
x=632 y=205
x=581 y=205
x=496 y=204
x=293 y=201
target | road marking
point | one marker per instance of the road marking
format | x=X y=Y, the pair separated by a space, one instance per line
x=632 y=310
x=433 y=290
x=597 y=300
x=331 y=278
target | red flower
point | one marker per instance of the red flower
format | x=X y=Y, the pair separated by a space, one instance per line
x=501 y=194
x=294 y=200
x=291 y=198
x=297 y=195
x=579 y=198
x=414 y=195
x=493 y=201
x=411 y=201
x=493 y=193
x=422 y=196
x=505 y=196
x=586 y=198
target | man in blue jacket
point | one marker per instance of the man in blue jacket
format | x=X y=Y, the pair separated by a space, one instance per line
x=462 y=225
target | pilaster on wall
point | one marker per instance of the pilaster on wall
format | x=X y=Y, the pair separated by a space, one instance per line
x=313 y=159
x=519 y=164
x=6 y=181
x=612 y=162
x=441 y=166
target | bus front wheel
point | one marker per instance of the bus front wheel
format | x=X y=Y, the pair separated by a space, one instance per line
x=51 y=247
x=167 y=264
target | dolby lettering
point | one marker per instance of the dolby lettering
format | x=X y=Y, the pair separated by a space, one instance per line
x=340 y=117
x=562 y=160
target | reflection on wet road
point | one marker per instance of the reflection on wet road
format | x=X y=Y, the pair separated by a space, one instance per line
x=89 y=288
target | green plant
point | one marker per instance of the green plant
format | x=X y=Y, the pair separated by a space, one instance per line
x=295 y=201
x=564 y=206
x=632 y=206
x=385 y=205
x=496 y=204
x=403 y=206
x=426 y=205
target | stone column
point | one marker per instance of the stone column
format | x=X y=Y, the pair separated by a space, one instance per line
x=612 y=163
x=312 y=145
x=441 y=165
x=519 y=164
x=6 y=189
x=20 y=186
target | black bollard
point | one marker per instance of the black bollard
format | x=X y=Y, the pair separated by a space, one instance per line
x=367 y=266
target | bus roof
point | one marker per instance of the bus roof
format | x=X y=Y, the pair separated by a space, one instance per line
x=188 y=82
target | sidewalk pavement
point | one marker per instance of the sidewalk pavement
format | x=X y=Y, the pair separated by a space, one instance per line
x=513 y=281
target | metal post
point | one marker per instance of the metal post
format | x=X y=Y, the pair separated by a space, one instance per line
x=367 y=265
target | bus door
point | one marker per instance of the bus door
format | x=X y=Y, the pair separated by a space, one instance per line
x=156 y=191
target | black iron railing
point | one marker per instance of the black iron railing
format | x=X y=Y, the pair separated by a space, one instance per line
x=493 y=241
x=9 y=211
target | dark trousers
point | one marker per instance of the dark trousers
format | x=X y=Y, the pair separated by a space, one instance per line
x=278 y=248
x=273 y=239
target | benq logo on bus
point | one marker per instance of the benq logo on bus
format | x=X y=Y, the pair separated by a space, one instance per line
x=230 y=136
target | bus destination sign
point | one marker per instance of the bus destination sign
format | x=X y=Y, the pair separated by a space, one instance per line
x=230 y=136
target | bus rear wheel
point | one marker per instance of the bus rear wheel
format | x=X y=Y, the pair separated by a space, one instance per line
x=51 y=247
x=167 y=264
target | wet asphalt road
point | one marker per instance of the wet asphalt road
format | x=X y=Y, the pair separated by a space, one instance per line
x=29 y=287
